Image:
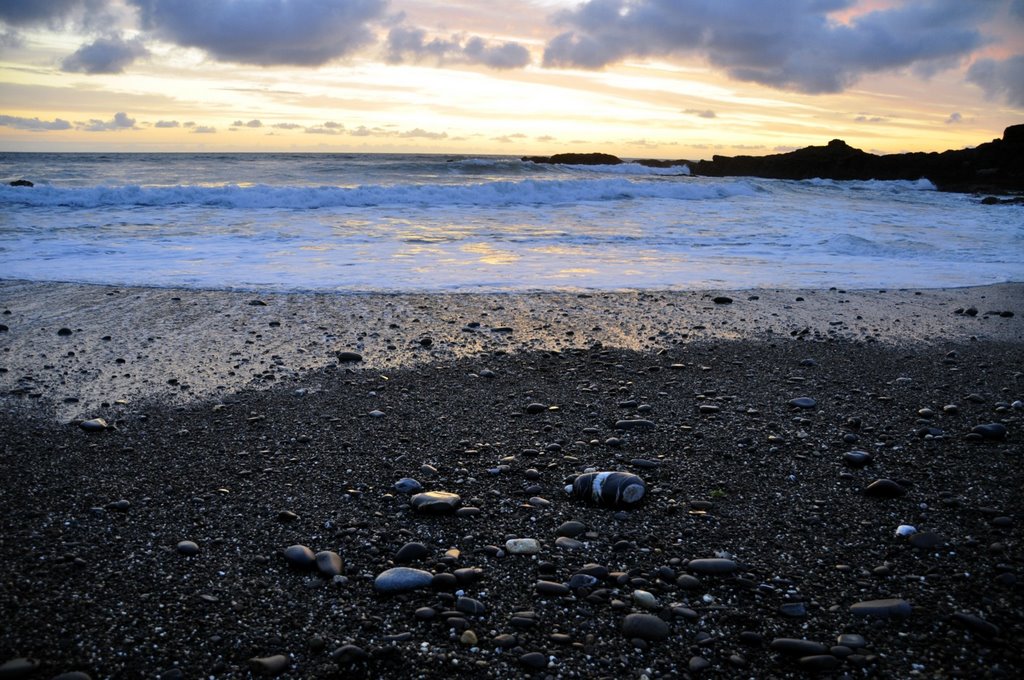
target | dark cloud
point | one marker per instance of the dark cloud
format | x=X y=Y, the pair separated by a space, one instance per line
x=34 y=124
x=265 y=32
x=120 y=121
x=954 y=118
x=105 y=55
x=411 y=44
x=34 y=12
x=787 y=44
x=1000 y=78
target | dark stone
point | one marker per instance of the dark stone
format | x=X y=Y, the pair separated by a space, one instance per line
x=857 y=459
x=797 y=647
x=819 y=663
x=188 y=548
x=884 y=488
x=882 y=609
x=803 y=402
x=535 y=408
x=349 y=357
x=402 y=579
x=990 y=431
x=722 y=300
x=300 y=556
x=269 y=665
x=976 y=624
x=22 y=183
x=328 y=563
x=713 y=566
x=436 y=502
x=411 y=552
x=634 y=424
x=534 y=661
x=576 y=159
x=644 y=627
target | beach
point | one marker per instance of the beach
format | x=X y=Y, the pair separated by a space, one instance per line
x=237 y=424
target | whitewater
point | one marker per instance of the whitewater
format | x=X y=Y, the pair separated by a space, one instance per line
x=392 y=223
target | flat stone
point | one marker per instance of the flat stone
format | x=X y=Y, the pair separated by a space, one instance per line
x=552 y=589
x=401 y=580
x=713 y=566
x=349 y=357
x=990 y=431
x=269 y=665
x=803 y=402
x=797 y=647
x=644 y=627
x=818 y=663
x=572 y=529
x=300 y=556
x=851 y=640
x=534 y=661
x=408 y=485
x=94 y=425
x=882 y=609
x=884 y=488
x=634 y=424
x=410 y=552
x=437 y=502
x=976 y=624
x=522 y=546
x=857 y=459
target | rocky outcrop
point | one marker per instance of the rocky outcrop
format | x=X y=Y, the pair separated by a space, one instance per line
x=576 y=159
x=992 y=167
x=22 y=183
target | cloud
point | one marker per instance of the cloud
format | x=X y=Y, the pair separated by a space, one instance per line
x=202 y=129
x=864 y=118
x=250 y=124
x=788 y=44
x=45 y=12
x=105 y=55
x=167 y=124
x=954 y=118
x=34 y=124
x=265 y=32
x=421 y=133
x=324 y=130
x=1000 y=78
x=411 y=44
x=120 y=121
x=286 y=126
x=702 y=113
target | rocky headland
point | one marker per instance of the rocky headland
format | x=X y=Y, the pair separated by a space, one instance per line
x=993 y=167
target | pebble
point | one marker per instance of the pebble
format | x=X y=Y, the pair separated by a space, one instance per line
x=94 y=425
x=884 y=488
x=522 y=546
x=328 y=563
x=990 y=431
x=698 y=664
x=18 y=668
x=467 y=605
x=819 y=663
x=468 y=638
x=349 y=357
x=905 y=530
x=411 y=552
x=269 y=665
x=713 y=566
x=976 y=624
x=925 y=540
x=566 y=543
x=435 y=502
x=299 y=556
x=350 y=655
x=645 y=599
x=722 y=300
x=552 y=589
x=857 y=459
x=797 y=647
x=536 y=408
x=72 y=675
x=401 y=580
x=408 y=485
x=534 y=661
x=803 y=402
x=571 y=528
x=851 y=640
x=188 y=548
x=634 y=424
x=121 y=505
x=793 y=610
x=882 y=609
x=644 y=627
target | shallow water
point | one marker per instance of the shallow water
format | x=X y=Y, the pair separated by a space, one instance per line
x=420 y=223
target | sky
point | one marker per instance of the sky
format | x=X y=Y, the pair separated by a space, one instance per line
x=638 y=78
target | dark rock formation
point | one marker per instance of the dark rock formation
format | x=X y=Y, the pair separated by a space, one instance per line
x=992 y=167
x=576 y=159
x=22 y=183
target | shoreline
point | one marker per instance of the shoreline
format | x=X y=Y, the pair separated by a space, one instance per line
x=123 y=344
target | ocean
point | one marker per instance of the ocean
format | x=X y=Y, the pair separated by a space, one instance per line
x=394 y=223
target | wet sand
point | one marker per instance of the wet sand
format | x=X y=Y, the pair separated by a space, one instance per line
x=235 y=426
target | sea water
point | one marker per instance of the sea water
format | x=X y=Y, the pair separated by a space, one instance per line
x=366 y=222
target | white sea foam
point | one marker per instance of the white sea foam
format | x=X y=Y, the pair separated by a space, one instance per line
x=326 y=222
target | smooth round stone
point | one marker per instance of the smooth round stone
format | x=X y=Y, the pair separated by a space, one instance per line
x=535 y=408
x=299 y=556
x=328 y=562
x=408 y=485
x=857 y=459
x=990 y=431
x=572 y=529
x=634 y=424
x=905 y=530
x=713 y=566
x=976 y=624
x=925 y=540
x=552 y=589
x=793 y=610
x=18 y=668
x=349 y=357
x=722 y=300
x=645 y=599
x=269 y=665
x=819 y=663
x=797 y=647
x=882 y=609
x=425 y=613
x=534 y=661
x=522 y=546
x=851 y=640
x=566 y=543
x=688 y=582
x=582 y=581
x=401 y=580
x=468 y=605
x=411 y=552
x=438 y=502
x=94 y=425
x=803 y=402
x=350 y=655
x=884 y=488
x=644 y=627
x=188 y=548
x=697 y=664
x=72 y=675
x=121 y=506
